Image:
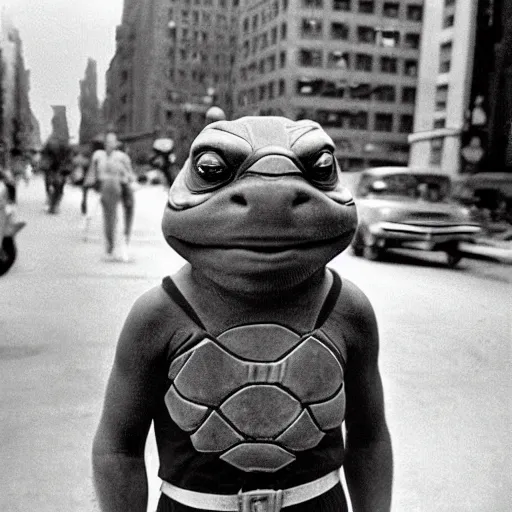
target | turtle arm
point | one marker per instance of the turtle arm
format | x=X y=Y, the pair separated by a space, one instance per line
x=136 y=383
x=368 y=458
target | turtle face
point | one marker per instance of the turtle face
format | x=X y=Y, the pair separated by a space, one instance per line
x=258 y=206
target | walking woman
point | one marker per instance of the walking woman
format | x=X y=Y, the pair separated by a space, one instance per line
x=115 y=177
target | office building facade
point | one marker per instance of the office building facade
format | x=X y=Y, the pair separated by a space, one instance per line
x=351 y=65
x=464 y=104
x=173 y=60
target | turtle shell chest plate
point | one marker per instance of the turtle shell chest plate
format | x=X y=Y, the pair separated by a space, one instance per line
x=257 y=394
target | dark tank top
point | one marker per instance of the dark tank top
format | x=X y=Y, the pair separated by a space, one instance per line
x=256 y=406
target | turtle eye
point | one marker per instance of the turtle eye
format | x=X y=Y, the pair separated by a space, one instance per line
x=323 y=171
x=211 y=168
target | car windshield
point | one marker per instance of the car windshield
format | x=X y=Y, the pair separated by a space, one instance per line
x=430 y=187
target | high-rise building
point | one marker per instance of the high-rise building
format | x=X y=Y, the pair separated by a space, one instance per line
x=17 y=132
x=173 y=60
x=351 y=65
x=464 y=104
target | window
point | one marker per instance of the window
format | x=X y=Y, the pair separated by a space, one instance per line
x=271 y=63
x=333 y=118
x=338 y=60
x=439 y=123
x=310 y=58
x=334 y=89
x=441 y=97
x=385 y=93
x=411 y=67
x=184 y=16
x=436 y=151
x=358 y=121
x=409 y=95
x=261 y=67
x=261 y=92
x=414 y=12
x=448 y=21
x=283 y=31
x=254 y=44
x=255 y=23
x=309 y=87
x=341 y=5
x=388 y=64
x=311 y=28
x=339 y=31
x=282 y=59
x=448 y=3
x=364 y=62
x=389 y=38
x=366 y=6
x=246 y=25
x=271 y=86
x=312 y=3
x=245 y=49
x=263 y=41
x=406 y=123
x=282 y=87
x=391 y=9
x=285 y=5
x=383 y=123
x=273 y=36
x=445 y=57
x=412 y=40
x=361 y=91
x=366 y=35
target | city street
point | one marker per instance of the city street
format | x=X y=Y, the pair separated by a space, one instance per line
x=445 y=361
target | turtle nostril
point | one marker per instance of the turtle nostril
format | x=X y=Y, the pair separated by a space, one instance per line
x=300 y=198
x=239 y=199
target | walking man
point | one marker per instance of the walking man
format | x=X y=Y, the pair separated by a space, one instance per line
x=115 y=178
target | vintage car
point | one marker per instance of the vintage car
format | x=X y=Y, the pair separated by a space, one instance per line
x=407 y=207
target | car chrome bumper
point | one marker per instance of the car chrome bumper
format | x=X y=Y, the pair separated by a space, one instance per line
x=436 y=234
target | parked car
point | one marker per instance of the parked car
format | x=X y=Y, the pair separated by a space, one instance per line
x=489 y=193
x=407 y=207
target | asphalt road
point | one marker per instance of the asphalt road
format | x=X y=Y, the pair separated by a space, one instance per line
x=445 y=361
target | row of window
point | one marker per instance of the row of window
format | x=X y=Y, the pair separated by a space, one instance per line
x=266 y=65
x=264 y=40
x=360 y=91
x=314 y=58
x=313 y=28
x=413 y=12
x=203 y=17
x=263 y=92
x=268 y=13
x=381 y=122
x=207 y=3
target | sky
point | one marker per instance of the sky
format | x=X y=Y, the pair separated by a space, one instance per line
x=58 y=37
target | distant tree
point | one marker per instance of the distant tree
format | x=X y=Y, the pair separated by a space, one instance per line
x=89 y=104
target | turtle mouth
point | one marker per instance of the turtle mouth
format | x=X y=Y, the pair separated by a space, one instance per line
x=269 y=246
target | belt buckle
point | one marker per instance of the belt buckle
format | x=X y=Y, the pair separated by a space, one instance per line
x=261 y=500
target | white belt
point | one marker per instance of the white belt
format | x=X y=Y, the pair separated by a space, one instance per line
x=261 y=500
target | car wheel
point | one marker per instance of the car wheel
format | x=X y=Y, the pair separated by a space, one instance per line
x=452 y=258
x=372 y=252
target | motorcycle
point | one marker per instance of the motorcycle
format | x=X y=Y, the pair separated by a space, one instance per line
x=9 y=228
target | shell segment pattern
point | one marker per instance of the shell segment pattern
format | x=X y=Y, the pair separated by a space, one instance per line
x=257 y=395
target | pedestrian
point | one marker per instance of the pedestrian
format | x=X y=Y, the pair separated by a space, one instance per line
x=56 y=163
x=90 y=188
x=250 y=359
x=114 y=178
